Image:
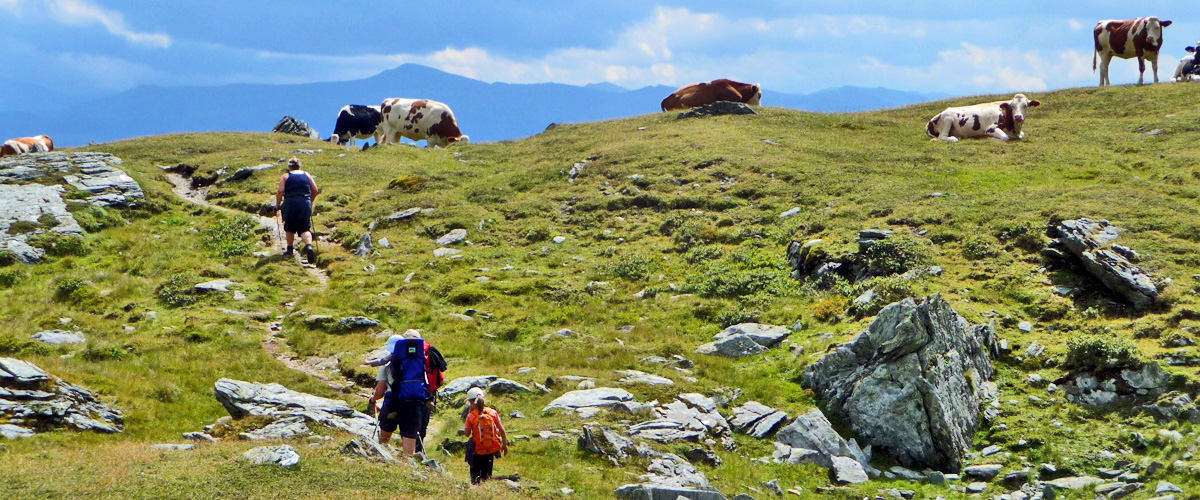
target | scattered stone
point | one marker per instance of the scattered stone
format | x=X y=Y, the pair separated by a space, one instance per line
x=1074 y=482
x=462 y=317
x=757 y=420
x=977 y=487
x=172 y=447
x=278 y=402
x=199 y=436
x=656 y=492
x=245 y=173
x=365 y=247
x=1025 y=326
x=911 y=383
x=384 y=243
x=284 y=428
x=985 y=472
x=9 y=431
x=716 y=109
x=638 y=377
x=214 y=286
x=285 y=455
x=558 y=240
x=847 y=470
x=773 y=487
x=812 y=431
x=369 y=449
x=356 y=322
x=604 y=397
x=789 y=213
x=735 y=346
x=445 y=252
x=59 y=337
x=764 y=335
x=606 y=443
x=454 y=236
x=991 y=450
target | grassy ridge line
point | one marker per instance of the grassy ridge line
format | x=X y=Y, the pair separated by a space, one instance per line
x=846 y=172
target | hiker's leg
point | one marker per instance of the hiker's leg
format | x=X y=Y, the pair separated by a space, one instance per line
x=410 y=446
x=291 y=238
x=306 y=237
x=385 y=437
x=486 y=472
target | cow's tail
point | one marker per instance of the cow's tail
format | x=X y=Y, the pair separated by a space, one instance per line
x=1094 y=54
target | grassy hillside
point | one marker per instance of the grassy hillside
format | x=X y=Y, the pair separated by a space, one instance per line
x=688 y=211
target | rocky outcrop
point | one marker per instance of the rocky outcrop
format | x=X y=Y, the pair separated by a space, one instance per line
x=93 y=173
x=653 y=492
x=292 y=126
x=279 y=403
x=245 y=173
x=31 y=205
x=1091 y=243
x=682 y=421
x=746 y=339
x=757 y=420
x=811 y=437
x=911 y=383
x=1096 y=389
x=284 y=456
x=591 y=399
x=31 y=400
x=606 y=443
x=369 y=449
x=718 y=108
x=491 y=383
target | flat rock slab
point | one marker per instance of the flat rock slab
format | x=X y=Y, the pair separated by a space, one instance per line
x=214 y=286
x=1075 y=482
x=445 y=252
x=278 y=402
x=285 y=455
x=29 y=203
x=757 y=419
x=15 y=371
x=172 y=447
x=284 y=428
x=59 y=337
x=655 y=492
x=30 y=396
x=734 y=346
x=764 y=335
x=95 y=173
x=602 y=397
x=245 y=173
x=1091 y=241
x=9 y=431
x=638 y=377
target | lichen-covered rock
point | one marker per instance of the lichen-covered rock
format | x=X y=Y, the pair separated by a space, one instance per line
x=289 y=125
x=601 y=397
x=606 y=443
x=911 y=383
x=718 y=108
x=278 y=402
x=284 y=456
x=1091 y=242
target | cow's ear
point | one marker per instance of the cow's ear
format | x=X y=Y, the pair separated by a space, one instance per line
x=1005 y=106
x=1190 y=49
x=1165 y=23
x=1035 y=103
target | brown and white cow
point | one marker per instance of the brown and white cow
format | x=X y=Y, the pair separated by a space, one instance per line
x=419 y=119
x=700 y=94
x=39 y=144
x=999 y=120
x=1140 y=38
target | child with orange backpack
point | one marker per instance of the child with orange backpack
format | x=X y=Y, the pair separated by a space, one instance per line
x=487 y=434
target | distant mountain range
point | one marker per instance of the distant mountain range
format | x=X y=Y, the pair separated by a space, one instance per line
x=485 y=111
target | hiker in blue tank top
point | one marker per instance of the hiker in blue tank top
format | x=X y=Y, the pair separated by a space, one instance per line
x=297 y=190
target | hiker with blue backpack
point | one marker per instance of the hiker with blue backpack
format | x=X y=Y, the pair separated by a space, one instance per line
x=488 y=442
x=407 y=381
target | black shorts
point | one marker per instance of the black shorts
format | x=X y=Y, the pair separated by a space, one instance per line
x=296 y=215
x=409 y=416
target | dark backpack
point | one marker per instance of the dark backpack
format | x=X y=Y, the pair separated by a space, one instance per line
x=438 y=366
x=408 y=371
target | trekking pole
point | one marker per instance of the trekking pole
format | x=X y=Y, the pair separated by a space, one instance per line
x=279 y=231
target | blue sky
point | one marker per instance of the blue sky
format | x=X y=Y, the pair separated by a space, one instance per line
x=84 y=48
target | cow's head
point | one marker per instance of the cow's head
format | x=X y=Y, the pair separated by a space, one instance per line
x=461 y=138
x=1154 y=33
x=756 y=97
x=1016 y=110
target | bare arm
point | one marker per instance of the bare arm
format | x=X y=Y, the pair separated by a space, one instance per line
x=279 y=193
x=380 y=389
x=312 y=182
x=503 y=435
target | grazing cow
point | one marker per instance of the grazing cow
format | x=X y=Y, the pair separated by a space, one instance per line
x=1189 y=67
x=1140 y=38
x=419 y=119
x=998 y=120
x=356 y=122
x=39 y=144
x=700 y=94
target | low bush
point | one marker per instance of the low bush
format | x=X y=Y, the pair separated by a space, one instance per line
x=536 y=234
x=23 y=227
x=897 y=255
x=1093 y=353
x=10 y=277
x=178 y=290
x=1024 y=235
x=634 y=267
x=977 y=247
x=60 y=245
x=230 y=237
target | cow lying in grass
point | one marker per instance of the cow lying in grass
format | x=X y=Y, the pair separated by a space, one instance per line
x=39 y=144
x=999 y=120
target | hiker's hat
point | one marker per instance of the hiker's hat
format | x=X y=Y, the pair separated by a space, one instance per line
x=412 y=333
x=474 y=393
x=392 y=341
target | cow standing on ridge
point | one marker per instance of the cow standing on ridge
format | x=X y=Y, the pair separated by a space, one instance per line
x=419 y=119
x=700 y=94
x=39 y=144
x=356 y=122
x=1001 y=120
x=1140 y=38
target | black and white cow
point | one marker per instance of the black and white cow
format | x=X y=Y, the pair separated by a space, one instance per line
x=356 y=122
x=1189 y=67
x=1141 y=38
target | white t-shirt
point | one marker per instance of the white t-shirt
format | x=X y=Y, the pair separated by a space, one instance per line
x=385 y=373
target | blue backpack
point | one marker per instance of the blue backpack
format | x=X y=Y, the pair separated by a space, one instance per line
x=409 y=382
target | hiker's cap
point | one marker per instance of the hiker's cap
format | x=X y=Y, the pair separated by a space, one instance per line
x=391 y=342
x=412 y=333
x=474 y=394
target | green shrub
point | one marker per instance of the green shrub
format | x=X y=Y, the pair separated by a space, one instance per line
x=943 y=235
x=7 y=258
x=467 y=295
x=704 y=254
x=896 y=255
x=107 y=352
x=66 y=287
x=736 y=317
x=536 y=234
x=1024 y=235
x=231 y=236
x=23 y=227
x=60 y=245
x=48 y=221
x=1100 y=352
x=977 y=247
x=407 y=183
x=635 y=267
x=10 y=277
x=177 y=291
x=92 y=218
x=688 y=235
x=888 y=289
x=13 y=345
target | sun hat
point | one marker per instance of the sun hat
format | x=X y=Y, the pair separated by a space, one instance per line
x=474 y=393
x=412 y=333
x=392 y=341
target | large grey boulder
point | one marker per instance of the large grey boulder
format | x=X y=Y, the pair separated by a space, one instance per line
x=289 y=125
x=812 y=431
x=757 y=419
x=245 y=173
x=734 y=346
x=606 y=443
x=285 y=455
x=454 y=236
x=673 y=471
x=463 y=384
x=1092 y=243
x=764 y=335
x=37 y=401
x=369 y=449
x=911 y=383
x=278 y=402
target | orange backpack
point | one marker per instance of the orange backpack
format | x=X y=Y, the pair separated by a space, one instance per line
x=486 y=432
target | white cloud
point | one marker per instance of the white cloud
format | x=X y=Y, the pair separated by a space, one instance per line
x=1074 y=24
x=85 y=13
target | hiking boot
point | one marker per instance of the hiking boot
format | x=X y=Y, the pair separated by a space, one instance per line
x=288 y=252
x=311 y=254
